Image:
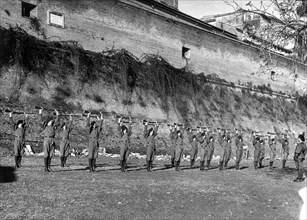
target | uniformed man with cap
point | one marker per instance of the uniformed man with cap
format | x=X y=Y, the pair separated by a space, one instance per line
x=179 y=149
x=239 y=151
x=149 y=135
x=299 y=157
x=285 y=146
x=272 y=145
x=256 y=144
x=222 y=143
x=203 y=148
x=262 y=152
x=227 y=150
x=49 y=125
x=124 y=135
x=194 y=147
x=173 y=137
x=95 y=127
x=64 y=141
x=19 y=130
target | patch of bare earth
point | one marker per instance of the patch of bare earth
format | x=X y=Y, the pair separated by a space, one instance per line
x=75 y=193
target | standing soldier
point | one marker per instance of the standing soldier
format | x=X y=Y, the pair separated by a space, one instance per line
x=173 y=136
x=221 y=139
x=194 y=147
x=227 y=150
x=299 y=157
x=210 y=149
x=256 y=144
x=239 y=151
x=124 y=135
x=149 y=135
x=272 y=145
x=179 y=149
x=203 y=149
x=19 y=130
x=64 y=141
x=285 y=146
x=261 y=153
x=49 y=125
x=94 y=130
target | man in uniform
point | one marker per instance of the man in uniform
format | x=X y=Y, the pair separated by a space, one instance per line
x=149 y=135
x=256 y=144
x=261 y=153
x=173 y=136
x=272 y=145
x=64 y=141
x=239 y=151
x=124 y=135
x=299 y=157
x=285 y=146
x=194 y=147
x=19 y=130
x=221 y=141
x=179 y=149
x=203 y=152
x=210 y=149
x=94 y=130
x=49 y=125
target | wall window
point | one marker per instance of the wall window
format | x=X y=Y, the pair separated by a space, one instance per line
x=27 y=9
x=56 y=19
x=186 y=53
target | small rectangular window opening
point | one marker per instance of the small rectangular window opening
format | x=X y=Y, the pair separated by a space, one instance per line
x=26 y=9
x=186 y=53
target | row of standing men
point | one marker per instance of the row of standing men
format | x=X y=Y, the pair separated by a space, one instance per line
x=202 y=144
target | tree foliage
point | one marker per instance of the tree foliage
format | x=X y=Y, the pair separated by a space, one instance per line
x=284 y=23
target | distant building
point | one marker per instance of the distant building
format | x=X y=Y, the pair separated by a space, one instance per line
x=245 y=26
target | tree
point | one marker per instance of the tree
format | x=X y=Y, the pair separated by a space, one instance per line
x=285 y=23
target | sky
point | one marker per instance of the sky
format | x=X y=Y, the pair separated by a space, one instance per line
x=200 y=8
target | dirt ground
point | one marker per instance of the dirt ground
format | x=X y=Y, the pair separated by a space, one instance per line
x=75 y=193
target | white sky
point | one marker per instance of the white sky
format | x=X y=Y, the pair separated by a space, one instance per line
x=200 y=8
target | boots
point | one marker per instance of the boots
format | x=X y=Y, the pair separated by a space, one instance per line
x=16 y=162
x=124 y=165
x=271 y=165
x=90 y=165
x=208 y=164
x=148 y=166
x=94 y=162
x=221 y=165
x=225 y=165
x=178 y=166
x=237 y=166
x=256 y=165
x=46 y=164
x=19 y=161
x=173 y=162
x=93 y=165
x=65 y=159
x=49 y=164
x=192 y=163
x=284 y=164
x=202 y=165
x=300 y=175
x=260 y=163
x=62 y=161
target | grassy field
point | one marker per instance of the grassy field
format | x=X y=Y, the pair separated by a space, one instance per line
x=75 y=193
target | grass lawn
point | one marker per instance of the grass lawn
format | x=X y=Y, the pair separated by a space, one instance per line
x=75 y=193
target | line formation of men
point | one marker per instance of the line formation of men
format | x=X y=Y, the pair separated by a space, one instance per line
x=202 y=144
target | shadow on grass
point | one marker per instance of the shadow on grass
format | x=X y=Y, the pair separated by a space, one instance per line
x=7 y=174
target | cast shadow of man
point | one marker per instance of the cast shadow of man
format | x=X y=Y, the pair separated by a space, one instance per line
x=7 y=174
